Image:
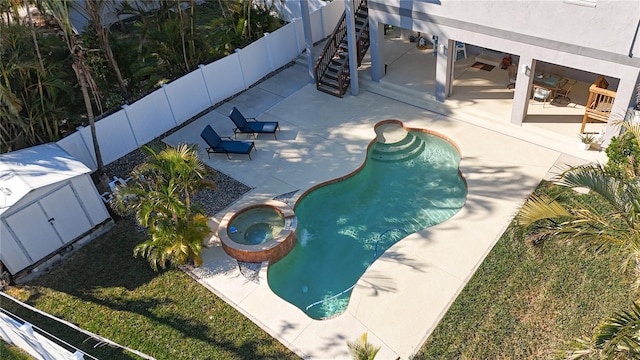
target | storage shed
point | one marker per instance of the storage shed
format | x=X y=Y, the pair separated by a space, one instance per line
x=47 y=202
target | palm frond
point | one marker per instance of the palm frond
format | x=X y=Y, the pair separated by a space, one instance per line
x=620 y=334
x=594 y=177
x=540 y=207
x=361 y=349
x=577 y=349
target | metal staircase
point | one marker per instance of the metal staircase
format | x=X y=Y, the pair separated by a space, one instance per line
x=332 y=67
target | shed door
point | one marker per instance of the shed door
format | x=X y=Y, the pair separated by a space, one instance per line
x=33 y=231
x=49 y=223
x=69 y=218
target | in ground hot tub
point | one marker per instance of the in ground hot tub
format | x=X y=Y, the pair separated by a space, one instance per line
x=257 y=233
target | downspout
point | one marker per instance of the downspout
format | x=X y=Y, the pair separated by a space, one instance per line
x=633 y=42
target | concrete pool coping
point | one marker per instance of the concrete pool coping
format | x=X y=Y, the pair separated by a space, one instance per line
x=404 y=294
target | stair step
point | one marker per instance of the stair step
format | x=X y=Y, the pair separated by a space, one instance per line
x=408 y=148
x=330 y=91
x=332 y=75
x=330 y=83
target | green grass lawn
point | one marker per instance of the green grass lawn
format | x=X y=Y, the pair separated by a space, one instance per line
x=8 y=352
x=167 y=314
x=518 y=306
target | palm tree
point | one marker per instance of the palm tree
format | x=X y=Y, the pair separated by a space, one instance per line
x=361 y=349
x=61 y=13
x=175 y=241
x=617 y=337
x=94 y=10
x=160 y=195
x=542 y=219
x=34 y=38
x=33 y=101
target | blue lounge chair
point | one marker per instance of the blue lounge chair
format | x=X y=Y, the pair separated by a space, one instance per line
x=251 y=127
x=218 y=145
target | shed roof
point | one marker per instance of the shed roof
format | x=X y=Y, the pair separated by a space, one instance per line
x=26 y=170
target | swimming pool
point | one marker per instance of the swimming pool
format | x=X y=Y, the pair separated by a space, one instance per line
x=402 y=187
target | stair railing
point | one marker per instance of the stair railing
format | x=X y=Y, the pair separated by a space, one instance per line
x=330 y=48
x=333 y=44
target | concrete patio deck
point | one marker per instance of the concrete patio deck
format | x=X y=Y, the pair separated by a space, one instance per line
x=403 y=295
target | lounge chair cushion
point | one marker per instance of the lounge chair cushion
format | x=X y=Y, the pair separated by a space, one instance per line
x=211 y=137
x=251 y=127
x=262 y=127
x=236 y=147
x=218 y=145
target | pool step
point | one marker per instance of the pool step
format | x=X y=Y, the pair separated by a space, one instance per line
x=405 y=149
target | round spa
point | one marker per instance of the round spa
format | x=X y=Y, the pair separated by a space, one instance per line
x=257 y=233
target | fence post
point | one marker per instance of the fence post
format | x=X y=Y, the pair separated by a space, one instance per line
x=86 y=146
x=166 y=96
x=295 y=32
x=126 y=113
x=244 y=81
x=269 y=52
x=206 y=86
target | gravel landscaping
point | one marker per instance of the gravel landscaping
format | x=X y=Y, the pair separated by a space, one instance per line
x=227 y=189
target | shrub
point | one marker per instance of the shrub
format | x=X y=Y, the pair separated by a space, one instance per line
x=623 y=153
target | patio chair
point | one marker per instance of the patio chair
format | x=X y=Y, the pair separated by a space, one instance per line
x=541 y=93
x=218 y=145
x=253 y=127
x=563 y=93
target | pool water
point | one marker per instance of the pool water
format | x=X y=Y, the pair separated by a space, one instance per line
x=344 y=226
x=256 y=226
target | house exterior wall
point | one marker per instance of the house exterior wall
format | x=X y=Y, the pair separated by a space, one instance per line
x=605 y=30
x=597 y=39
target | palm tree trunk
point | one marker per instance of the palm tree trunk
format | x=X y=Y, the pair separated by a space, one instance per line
x=182 y=36
x=94 y=10
x=80 y=71
x=33 y=33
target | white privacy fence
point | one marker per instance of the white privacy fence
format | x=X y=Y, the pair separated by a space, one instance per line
x=174 y=103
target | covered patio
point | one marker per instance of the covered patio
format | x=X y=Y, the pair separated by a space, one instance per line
x=485 y=89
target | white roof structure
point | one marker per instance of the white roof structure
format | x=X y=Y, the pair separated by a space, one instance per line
x=25 y=170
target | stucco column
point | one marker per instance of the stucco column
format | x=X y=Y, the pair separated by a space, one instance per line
x=351 y=41
x=308 y=38
x=452 y=54
x=524 y=80
x=376 y=34
x=625 y=91
x=443 y=64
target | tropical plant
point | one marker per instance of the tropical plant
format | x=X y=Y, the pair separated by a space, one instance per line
x=94 y=10
x=543 y=219
x=160 y=195
x=34 y=37
x=617 y=337
x=33 y=101
x=361 y=349
x=623 y=154
x=60 y=12
x=587 y=138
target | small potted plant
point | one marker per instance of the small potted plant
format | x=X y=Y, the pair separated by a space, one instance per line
x=586 y=140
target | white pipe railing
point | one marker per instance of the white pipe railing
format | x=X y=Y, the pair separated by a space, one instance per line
x=43 y=345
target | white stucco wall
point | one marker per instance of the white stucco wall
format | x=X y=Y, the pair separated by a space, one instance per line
x=609 y=25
